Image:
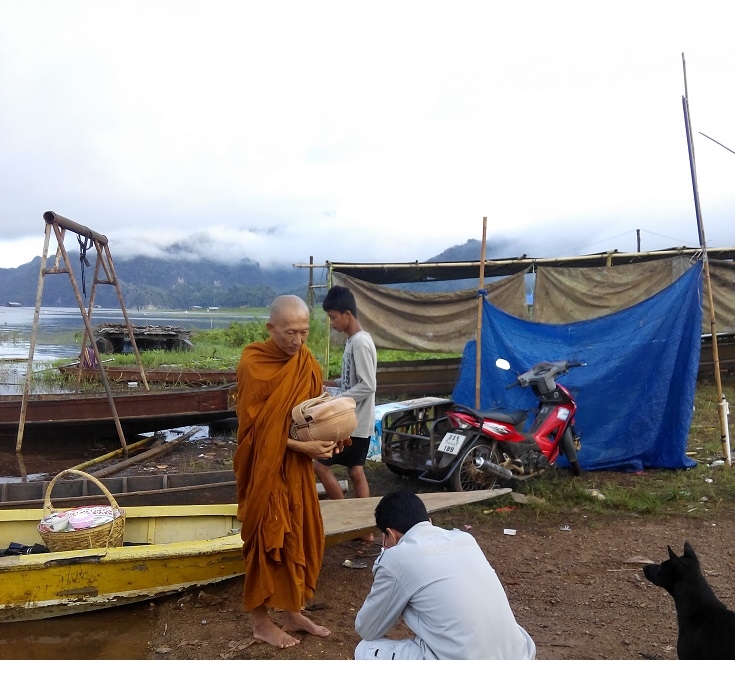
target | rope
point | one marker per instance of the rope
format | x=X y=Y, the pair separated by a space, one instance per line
x=84 y=245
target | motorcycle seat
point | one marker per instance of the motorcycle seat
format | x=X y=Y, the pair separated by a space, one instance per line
x=513 y=417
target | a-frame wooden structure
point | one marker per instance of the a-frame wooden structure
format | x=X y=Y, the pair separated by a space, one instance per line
x=104 y=274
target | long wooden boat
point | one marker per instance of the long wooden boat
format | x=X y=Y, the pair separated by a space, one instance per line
x=167 y=550
x=168 y=376
x=201 y=487
x=414 y=377
x=140 y=411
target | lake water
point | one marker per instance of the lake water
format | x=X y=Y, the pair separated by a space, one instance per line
x=16 y=323
x=58 y=325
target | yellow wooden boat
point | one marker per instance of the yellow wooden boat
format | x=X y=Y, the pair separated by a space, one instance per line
x=167 y=549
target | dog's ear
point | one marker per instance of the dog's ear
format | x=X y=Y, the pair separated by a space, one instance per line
x=689 y=551
x=672 y=554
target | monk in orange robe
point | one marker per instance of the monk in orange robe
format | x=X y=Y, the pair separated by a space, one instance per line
x=278 y=505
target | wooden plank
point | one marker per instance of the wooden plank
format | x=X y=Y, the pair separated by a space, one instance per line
x=345 y=519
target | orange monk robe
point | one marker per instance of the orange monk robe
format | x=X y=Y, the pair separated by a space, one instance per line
x=278 y=505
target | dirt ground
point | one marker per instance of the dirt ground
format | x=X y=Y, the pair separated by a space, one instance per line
x=574 y=581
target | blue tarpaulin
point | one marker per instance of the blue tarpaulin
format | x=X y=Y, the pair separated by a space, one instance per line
x=635 y=396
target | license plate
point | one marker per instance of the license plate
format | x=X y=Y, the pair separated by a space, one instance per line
x=451 y=443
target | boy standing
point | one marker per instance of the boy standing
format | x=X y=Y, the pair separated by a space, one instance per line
x=358 y=381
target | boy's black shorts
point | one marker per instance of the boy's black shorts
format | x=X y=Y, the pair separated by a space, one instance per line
x=352 y=455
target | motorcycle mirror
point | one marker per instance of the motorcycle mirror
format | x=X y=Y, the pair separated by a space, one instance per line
x=502 y=364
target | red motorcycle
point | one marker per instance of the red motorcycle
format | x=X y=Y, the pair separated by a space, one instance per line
x=476 y=450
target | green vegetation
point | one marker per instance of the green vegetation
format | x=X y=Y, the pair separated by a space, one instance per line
x=220 y=348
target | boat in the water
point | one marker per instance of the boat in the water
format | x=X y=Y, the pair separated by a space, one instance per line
x=166 y=550
x=83 y=414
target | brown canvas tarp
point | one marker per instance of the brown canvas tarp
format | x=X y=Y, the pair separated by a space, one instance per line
x=429 y=322
x=722 y=277
x=567 y=294
x=444 y=322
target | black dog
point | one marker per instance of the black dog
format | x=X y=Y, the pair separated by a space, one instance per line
x=706 y=625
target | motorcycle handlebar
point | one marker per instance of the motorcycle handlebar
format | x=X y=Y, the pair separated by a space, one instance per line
x=544 y=370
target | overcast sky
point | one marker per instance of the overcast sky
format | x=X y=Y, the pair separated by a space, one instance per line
x=368 y=132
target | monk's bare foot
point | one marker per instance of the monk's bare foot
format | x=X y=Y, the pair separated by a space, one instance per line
x=269 y=632
x=367 y=538
x=293 y=620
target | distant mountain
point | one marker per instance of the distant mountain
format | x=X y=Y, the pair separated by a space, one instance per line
x=471 y=251
x=160 y=283
x=181 y=284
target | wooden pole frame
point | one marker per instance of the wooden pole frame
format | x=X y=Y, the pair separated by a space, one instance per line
x=480 y=302
x=59 y=225
x=723 y=409
x=328 y=335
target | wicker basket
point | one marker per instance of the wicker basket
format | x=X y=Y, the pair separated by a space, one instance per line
x=106 y=535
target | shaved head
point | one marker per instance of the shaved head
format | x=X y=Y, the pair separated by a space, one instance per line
x=288 y=305
x=289 y=323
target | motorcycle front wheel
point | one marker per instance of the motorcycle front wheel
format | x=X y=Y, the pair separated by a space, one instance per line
x=467 y=477
x=567 y=446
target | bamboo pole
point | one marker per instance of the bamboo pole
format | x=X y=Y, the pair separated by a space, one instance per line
x=329 y=331
x=480 y=301
x=144 y=456
x=723 y=409
x=115 y=453
x=598 y=259
x=310 y=287
x=31 y=350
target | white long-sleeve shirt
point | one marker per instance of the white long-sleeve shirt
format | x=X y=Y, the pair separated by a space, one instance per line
x=358 y=380
x=449 y=596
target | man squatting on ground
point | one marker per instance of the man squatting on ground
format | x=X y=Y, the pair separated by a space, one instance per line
x=358 y=381
x=442 y=585
x=278 y=505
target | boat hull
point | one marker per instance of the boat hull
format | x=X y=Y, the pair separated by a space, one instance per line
x=121 y=374
x=168 y=550
x=199 y=487
x=77 y=582
x=72 y=415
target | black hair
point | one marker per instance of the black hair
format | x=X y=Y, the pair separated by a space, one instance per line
x=400 y=510
x=340 y=299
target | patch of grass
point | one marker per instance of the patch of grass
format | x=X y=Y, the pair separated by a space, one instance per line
x=694 y=492
x=234 y=336
x=202 y=357
x=704 y=432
